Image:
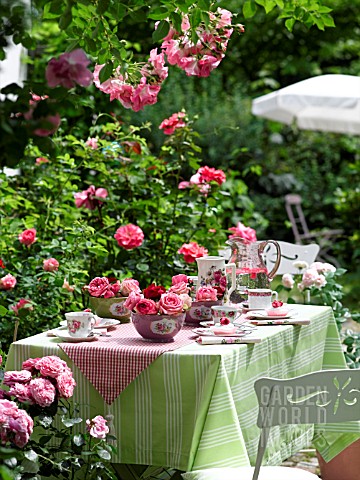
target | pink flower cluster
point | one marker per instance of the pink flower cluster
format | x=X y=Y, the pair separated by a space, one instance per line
x=169 y=125
x=68 y=70
x=41 y=381
x=205 y=55
x=97 y=427
x=50 y=265
x=16 y=425
x=102 y=287
x=247 y=233
x=129 y=236
x=173 y=302
x=41 y=160
x=203 y=178
x=23 y=303
x=89 y=198
x=7 y=282
x=192 y=251
x=314 y=276
x=135 y=95
x=28 y=237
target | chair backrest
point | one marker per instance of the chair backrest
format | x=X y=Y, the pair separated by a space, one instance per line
x=328 y=396
x=296 y=216
x=290 y=253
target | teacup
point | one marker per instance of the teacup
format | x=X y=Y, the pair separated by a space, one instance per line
x=80 y=324
x=225 y=311
x=261 y=298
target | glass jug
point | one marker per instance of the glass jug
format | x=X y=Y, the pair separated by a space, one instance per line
x=251 y=271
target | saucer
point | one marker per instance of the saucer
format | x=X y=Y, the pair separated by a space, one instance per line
x=65 y=337
x=104 y=323
x=209 y=333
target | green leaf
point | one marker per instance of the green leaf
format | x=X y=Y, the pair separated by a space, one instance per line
x=204 y=4
x=79 y=440
x=102 y=6
x=289 y=24
x=249 y=8
x=159 y=13
x=143 y=267
x=176 y=20
x=161 y=31
x=106 y=72
x=65 y=19
x=3 y=311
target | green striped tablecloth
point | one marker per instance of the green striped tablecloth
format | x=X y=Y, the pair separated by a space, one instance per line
x=196 y=408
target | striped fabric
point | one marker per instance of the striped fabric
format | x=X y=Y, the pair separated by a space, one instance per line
x=195 y=407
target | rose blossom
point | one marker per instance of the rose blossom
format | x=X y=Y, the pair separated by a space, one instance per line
x=41 y=160
x=169 y=125
x=69 y=69
x=92 y=143
x=51 y=265
x=51 y=366
x=66 y=384
x=12 y=377
x=179 y=278
x=191 y=251
x=287 y=280
x=98 y=286
x=323 y=267
x=154 y=292
x=129 y=285
x=170 y=304
x=42 y=391
x=146 y=306
x=247 y=233
x=186 y=300
x=209 y=174
x=309 y=277
x=179 y=288
x=15 y=424
x=205 y=294
x=23 y=303
x=30 y=364
x=21 y=392
x=97 y=427
x=8 y=282
x=129 y=236
x=132 y=300
x=28 y=237
x=320 y=281
x=87 y=198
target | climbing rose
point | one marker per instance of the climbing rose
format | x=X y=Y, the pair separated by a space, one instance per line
x=23 y=303
x=8 y=282
x=169 y=125
x=191 y=251
x=87 y=199
x=28 y=237
x=247 y=233
x=97 y=427
x=69 y=69
x=209 y=174
x=51 y=265
x=129 y=236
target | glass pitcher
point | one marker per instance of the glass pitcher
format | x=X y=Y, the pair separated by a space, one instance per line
x=251 y=271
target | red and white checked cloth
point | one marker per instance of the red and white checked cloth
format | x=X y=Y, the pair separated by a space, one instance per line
x=112 y=364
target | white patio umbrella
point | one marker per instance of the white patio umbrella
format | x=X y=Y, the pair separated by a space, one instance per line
x=328 y=103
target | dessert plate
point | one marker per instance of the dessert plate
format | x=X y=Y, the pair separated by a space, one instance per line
x=209 y=333
x=261 y=315
x=65 y=337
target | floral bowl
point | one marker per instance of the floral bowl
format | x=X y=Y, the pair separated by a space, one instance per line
x=200 y=311
x=110 y=308
x=158 y=328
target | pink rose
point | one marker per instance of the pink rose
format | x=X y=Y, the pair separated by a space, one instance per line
x=89 y=198
x=23 y=303
x=209 y=174
x=129 y=236
x=309 y=277
x=323 y=267
x=191 y=251
x=170 y=304
x=28 y=237
x=287 y=280
x=205 y=294
x=12 y=377
x=132 y=300
x=69 y=70
x=129 y=285
x=169 y=125
x=179 y=288
x=21 y=392
x=51 y=366
x=247 y=233
x=8 y=282
x=98 y=286
x=92 y=143
x=41 y=160
x=66 y=384
x=179 y=278
x=50 y=265
x=320 y=281
x=42 y=391
x=30 y=364
x=97 y=427
x=146 y=306
x=16 y=425
x=186 y=299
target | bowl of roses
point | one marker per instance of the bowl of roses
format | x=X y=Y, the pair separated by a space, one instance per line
x=200 y=310
x=157 y=313
x=107 y=296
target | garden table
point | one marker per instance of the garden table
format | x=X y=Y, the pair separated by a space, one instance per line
x=195 y=407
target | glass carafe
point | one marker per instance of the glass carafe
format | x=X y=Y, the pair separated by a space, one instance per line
x=251 y=271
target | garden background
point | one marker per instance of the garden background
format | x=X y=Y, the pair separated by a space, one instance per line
x=140 y=167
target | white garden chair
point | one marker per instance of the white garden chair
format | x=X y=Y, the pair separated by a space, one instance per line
x=329 y=396
x=290 y=253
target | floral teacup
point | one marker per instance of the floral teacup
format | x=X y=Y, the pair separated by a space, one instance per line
x=225 y=311
x=80 y=324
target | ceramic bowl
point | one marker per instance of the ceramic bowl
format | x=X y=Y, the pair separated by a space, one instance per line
x=110 y=308
x=158 y=328
x=200 y=312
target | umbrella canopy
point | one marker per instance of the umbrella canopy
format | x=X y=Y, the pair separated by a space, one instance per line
x=328 y=103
